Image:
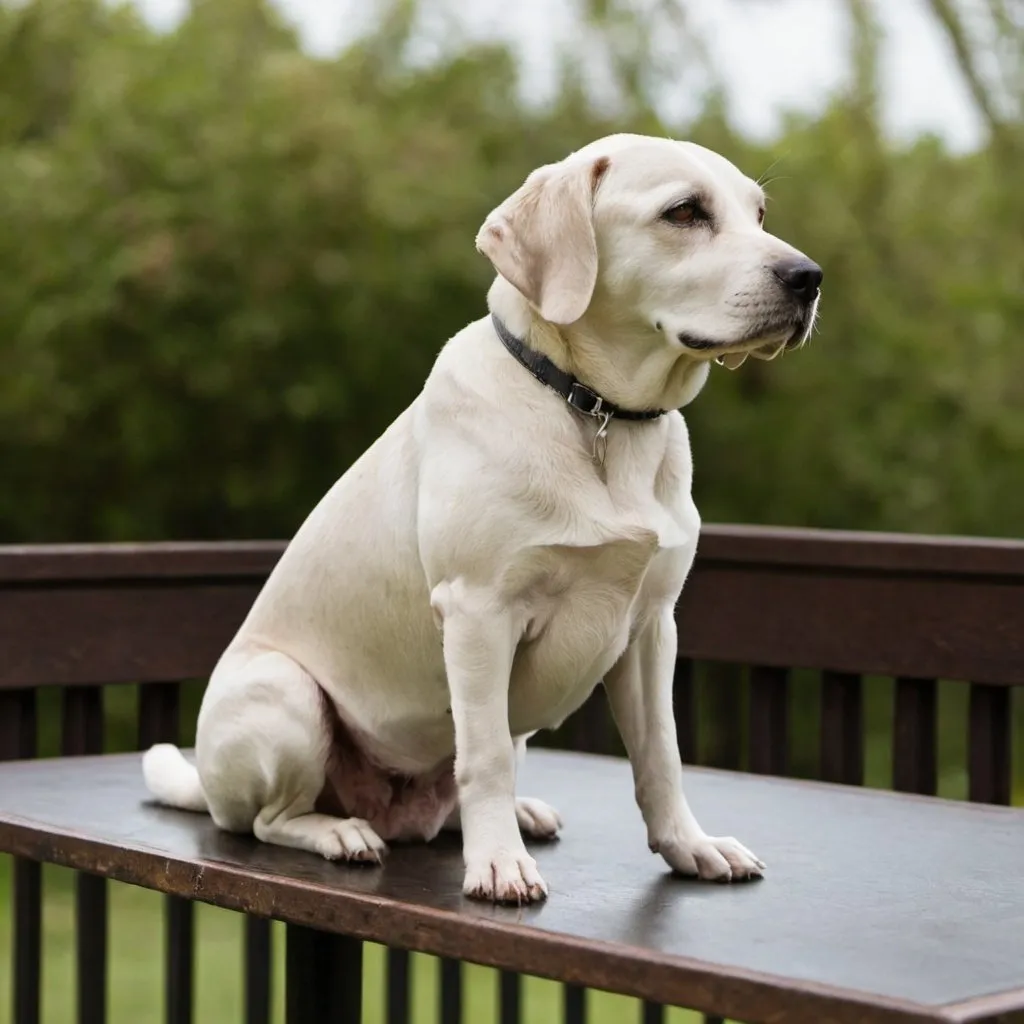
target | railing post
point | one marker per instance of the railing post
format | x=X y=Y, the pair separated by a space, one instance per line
x=82 y=733
x=989 y=744
x=18 y=742
x=589 y=729
x=323 y=977
x=652 y=1013
x=769 y=720
x=396 y=980
x=450 y=988
x=914 y=768
x=258 y=965
x=721 y=698
x=159 y=722
x=842 y=728
x=510 y=998
x=574 y=1004
x=684 y=710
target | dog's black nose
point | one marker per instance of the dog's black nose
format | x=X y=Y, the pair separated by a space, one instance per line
x=800 y=276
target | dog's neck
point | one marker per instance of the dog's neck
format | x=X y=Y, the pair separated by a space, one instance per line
x=630 y=364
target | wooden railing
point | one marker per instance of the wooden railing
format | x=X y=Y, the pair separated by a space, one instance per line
x=769 y=617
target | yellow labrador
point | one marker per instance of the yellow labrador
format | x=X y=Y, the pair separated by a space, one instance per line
x=521 y=532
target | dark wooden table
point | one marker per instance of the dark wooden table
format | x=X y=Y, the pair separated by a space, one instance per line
x=876 y=907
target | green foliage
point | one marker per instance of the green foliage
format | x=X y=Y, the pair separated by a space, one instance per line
x=226 y=266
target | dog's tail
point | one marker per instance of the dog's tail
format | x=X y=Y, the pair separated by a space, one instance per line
x=172 y=779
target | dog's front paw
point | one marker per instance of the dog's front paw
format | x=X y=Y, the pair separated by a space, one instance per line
x=351 y=839
x=713 y=858
x=504 y=876
x=536 y=818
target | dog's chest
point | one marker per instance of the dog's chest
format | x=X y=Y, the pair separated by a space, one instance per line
x=587 y=602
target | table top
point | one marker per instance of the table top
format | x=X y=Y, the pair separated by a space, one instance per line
x=876 y=907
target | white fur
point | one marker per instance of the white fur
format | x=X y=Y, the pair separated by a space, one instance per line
x=477 y=572
x=171 y=779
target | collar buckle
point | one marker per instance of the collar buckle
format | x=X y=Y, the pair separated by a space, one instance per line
x=583 y=400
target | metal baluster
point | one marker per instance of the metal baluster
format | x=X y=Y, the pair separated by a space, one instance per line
x=769 y=720
x=842 y=728
x=159 y=718
x=510 y=988
x=397 y=980
x=451 y=991
x=989 y=758
x=18 y=742
x=914 y=738
x=323 y=977
x=574 y=1004
x=82 y=733
x=684 y=710
x=258 y=969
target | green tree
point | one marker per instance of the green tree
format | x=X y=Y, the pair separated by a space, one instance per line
x=227 y=265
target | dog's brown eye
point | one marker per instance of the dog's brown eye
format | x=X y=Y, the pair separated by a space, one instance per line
x=684 y=213
x=760 y=215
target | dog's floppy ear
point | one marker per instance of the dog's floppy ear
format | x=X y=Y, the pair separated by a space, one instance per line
x=541 y=239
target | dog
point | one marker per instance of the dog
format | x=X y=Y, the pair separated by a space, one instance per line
x=520 y=533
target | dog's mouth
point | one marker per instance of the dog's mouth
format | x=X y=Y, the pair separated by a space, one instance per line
x=765 y=344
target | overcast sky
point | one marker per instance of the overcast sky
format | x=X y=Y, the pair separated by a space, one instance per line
x=775 y=54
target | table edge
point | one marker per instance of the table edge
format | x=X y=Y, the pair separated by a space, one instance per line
x=726 y=990
x=732 y=992
x=989 y=1007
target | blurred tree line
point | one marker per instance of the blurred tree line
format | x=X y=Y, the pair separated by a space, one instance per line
x=227 y=265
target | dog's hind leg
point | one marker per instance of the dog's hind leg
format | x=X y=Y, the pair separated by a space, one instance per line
x=262 y=747
x=536 y=819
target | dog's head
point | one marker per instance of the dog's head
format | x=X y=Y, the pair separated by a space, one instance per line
x=663 y=239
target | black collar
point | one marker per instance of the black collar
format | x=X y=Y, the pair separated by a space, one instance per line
x=579 y=396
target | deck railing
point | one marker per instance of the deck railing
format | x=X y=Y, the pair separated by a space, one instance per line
x=854 y=658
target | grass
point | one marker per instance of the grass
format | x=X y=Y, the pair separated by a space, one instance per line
x=135 y=983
